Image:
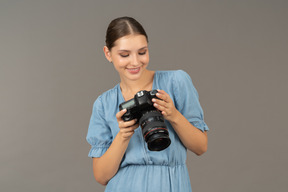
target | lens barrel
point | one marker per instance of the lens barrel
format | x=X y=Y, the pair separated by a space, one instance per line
x=154 y=130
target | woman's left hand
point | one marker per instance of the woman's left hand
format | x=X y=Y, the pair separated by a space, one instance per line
x=192 y=138
x=165 y=105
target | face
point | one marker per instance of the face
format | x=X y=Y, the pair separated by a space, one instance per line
x=130 y=56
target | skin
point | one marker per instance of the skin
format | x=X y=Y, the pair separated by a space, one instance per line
x=131 y=52
x=130 y=57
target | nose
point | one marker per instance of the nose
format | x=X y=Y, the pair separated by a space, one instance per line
x=135 y=61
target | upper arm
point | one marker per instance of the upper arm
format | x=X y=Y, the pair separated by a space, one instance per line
x=187 y=100
x=99 y=135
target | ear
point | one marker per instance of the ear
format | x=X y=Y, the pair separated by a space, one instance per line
x=107 y=53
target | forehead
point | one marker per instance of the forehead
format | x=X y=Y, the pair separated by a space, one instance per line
x=130 y=42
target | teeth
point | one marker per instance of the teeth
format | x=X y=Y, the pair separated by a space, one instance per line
x=135 y=69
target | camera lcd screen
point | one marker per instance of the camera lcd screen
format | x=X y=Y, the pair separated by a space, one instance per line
x=128 y=104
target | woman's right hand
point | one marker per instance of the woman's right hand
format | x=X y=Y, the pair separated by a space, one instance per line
x=106 y=166
x=126 y=127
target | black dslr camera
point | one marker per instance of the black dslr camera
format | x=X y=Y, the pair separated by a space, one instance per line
x=150 y=119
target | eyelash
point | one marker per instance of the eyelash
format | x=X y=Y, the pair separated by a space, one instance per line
x=142 y=53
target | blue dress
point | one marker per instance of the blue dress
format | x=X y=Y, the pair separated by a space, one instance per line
x=142 y=170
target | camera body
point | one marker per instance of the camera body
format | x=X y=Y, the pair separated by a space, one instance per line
x=142 y=101
x=150 y=119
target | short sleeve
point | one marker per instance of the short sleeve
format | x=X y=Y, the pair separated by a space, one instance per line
x=187 y=100
x=99 y=135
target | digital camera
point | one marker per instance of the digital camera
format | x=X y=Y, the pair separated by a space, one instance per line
x=150 y=119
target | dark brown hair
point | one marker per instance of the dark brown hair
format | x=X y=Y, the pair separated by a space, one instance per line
x=121 y=27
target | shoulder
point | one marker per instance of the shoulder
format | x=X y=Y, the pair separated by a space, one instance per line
x=176 y=75
x=108 y=95
x=172 y=72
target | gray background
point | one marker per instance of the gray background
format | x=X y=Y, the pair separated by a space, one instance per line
x=52 y=68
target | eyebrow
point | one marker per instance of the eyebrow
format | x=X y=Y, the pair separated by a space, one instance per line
x=124 y=50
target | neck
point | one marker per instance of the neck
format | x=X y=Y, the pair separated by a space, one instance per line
x=142 y=83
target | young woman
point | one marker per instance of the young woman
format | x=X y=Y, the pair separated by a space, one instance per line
x=121 y=159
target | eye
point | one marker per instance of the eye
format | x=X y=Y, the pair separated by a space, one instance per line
x=142 y=53
x=124 y=55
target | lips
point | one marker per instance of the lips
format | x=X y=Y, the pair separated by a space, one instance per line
x=133 y=70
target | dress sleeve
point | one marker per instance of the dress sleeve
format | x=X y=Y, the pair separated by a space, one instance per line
x=99 y=135
x=187 y=100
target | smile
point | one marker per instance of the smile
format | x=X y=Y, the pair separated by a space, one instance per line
x=133 y=70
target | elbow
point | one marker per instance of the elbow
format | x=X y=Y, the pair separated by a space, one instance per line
x=104 y=183
x=101 y=180
x=99 y=174
x=202 y=147
x=201 y=151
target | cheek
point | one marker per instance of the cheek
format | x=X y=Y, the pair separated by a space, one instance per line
x=120 y=62
x=145 y=59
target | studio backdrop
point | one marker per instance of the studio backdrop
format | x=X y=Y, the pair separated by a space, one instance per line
x=52 y=68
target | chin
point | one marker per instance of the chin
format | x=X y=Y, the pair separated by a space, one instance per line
x=134 y=77
x=135 y=74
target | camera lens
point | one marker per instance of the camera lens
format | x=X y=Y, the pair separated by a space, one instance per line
x=154 y=131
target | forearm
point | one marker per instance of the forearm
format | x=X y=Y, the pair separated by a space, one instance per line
x=107 y=165
x=194 y=139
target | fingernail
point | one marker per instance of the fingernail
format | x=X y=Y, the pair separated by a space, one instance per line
x=153 y=100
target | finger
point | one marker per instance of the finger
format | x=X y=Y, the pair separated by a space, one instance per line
x=159 y=107
x=127 y=130
x=162 y=95
x=130 y=123
x=135 y=126
x=126 y=133
x=160 y=102
x=120 y=114
x=126 y=124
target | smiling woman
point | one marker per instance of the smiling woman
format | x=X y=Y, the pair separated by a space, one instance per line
x=121 y=159
x=130 y=57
